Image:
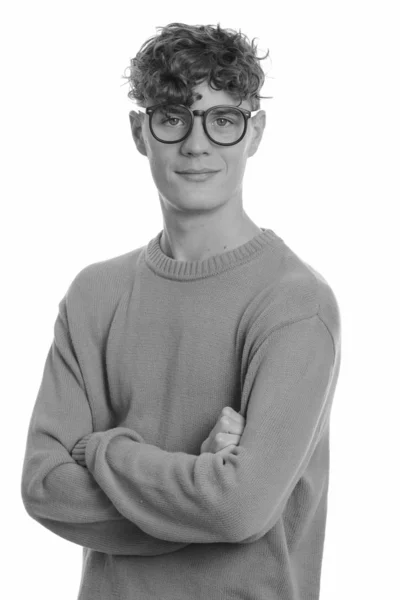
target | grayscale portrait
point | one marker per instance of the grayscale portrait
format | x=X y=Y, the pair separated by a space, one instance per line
x=181 y=430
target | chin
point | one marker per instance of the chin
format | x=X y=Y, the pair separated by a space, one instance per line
x=199 y=201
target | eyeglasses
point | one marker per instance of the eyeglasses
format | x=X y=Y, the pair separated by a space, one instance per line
x=223 y=124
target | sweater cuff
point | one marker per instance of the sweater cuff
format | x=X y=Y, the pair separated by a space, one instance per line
x=78 y=452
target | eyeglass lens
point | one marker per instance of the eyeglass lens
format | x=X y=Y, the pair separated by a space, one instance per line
x=171 y=123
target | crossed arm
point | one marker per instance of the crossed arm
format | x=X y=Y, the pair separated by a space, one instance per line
x=120 y=495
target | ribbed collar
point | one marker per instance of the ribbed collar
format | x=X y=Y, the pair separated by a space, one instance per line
x=182 y=270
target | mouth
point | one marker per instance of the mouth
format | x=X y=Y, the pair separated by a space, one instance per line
x=197 y=176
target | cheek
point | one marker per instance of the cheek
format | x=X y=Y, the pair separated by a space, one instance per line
x=163 y=171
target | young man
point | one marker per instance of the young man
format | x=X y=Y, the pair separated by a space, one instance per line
x=132 y=451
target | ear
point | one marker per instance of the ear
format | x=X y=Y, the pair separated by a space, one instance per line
x=258 y=126
x=137 y=120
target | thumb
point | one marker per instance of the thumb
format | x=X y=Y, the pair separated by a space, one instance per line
x=227 y=450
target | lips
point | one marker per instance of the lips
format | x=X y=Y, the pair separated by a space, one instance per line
x=198 y=176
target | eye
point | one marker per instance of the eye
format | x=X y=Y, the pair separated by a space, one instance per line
x=169 y=119
x=223 y=119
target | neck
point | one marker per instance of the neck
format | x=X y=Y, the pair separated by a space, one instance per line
x=207 y=240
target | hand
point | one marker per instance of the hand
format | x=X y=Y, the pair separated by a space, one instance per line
x=226 y=434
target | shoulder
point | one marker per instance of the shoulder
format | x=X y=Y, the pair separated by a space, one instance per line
x=328 y=306
x=97 y=288
x=107 y=276
x=295 y=291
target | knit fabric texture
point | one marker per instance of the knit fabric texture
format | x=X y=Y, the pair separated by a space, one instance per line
x=147 y=351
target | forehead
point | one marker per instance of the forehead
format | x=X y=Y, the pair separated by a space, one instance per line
x=205 y=96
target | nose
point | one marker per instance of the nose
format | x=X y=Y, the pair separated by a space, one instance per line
x=197 y=140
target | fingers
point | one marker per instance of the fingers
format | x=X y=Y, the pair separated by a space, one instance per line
x=229 y=425
x=229 y=412
x=225 y=451
x=226 y=432
x=224 y=439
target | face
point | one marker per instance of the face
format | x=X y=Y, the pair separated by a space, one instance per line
x=197 y=151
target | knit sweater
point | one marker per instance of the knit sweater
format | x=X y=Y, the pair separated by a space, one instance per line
x=147 y=351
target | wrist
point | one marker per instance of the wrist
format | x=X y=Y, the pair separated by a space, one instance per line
x=78 y=452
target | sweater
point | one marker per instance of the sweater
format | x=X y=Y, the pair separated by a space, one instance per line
x=147 y=351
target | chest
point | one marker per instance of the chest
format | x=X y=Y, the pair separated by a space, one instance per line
x=171 y=369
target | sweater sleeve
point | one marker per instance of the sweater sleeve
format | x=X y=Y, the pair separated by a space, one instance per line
x=236 y=498
x=57 y=492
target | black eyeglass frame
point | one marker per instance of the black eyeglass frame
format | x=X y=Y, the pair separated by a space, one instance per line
x=203 y=114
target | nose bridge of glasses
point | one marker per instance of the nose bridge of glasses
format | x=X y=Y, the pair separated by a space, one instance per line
x=198 y=113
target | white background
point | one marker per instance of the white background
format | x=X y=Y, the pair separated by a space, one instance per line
x=75 y=190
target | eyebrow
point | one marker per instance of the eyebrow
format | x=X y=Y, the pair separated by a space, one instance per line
x=218 y=110
x=227 y=106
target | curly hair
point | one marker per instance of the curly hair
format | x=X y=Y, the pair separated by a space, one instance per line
x=170 y=64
